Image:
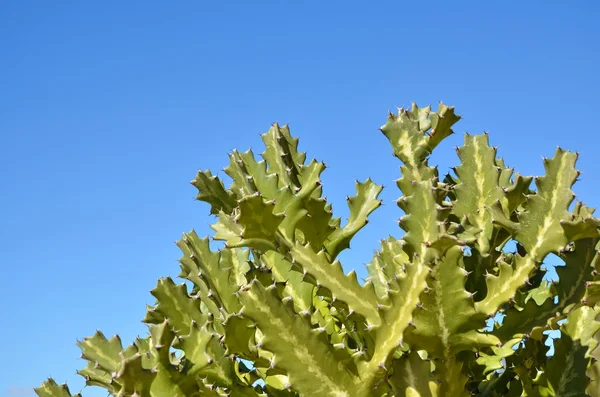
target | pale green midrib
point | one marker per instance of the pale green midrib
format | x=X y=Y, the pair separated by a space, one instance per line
x=481 y=203
x=445 y=334
x=522 y=272
x=100 y=353
x=383 y=349
x=407 y=151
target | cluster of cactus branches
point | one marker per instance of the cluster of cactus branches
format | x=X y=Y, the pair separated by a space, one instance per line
x=273 y=313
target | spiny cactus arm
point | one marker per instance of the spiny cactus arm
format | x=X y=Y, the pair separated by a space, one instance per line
x=152 y=373
x=282 y=155
x=221 y=272
x=411 y=376
x=478 y=187
x=104 y=359
x=250 y=176
x=422 y=231
x=538 y=229
x=315 y=227
x=414 y=134
x=105 y=353
x=514 y=186
x=123 y=372
x=211 y=190
x=257 y=226
x=364 y=203
x=301 y=293
x=254 y=178
x=384 y=268
x=205 y=358
x=593 y=373
x=254 y=225
x=52 y=389
x=292 y=200
x=445 y=323
x=306 y=357
x=174 y=303
x=407 y=134
x=445 y=317
x=95 y=376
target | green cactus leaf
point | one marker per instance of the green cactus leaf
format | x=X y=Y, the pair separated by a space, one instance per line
x=98 y=377
x=386 y=266
x=254 y=173
x=105 y=352
x=174 y=303
x=407 y=132
x=195 y=346
x=52 y=389
x=445 y=311
x=216 y=271
x=398 y=315
x=345 y=287
x=239 y=336
x=293 y=202
x=420 y=223
x=306 y=357
x=282 y=155
x=242 y=182
x=515 y=194
x=411 y=377
x=539 y=230
x=257 y=218
x=478 y=187
x=211 y=190
x=315 y=225
x=255 y=224
x=361 y=205
x=577 y=272
x=301 y=292
x=134 y=378
x=205 y=358
x=593 y=373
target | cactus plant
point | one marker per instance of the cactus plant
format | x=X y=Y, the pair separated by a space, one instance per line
x=273 y=313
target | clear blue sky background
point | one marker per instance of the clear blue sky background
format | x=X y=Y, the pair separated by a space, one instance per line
x=109 y=108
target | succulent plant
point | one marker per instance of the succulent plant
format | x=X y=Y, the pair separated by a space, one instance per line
x=273 y=313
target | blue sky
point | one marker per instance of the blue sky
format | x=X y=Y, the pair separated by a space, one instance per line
x=109 y=108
